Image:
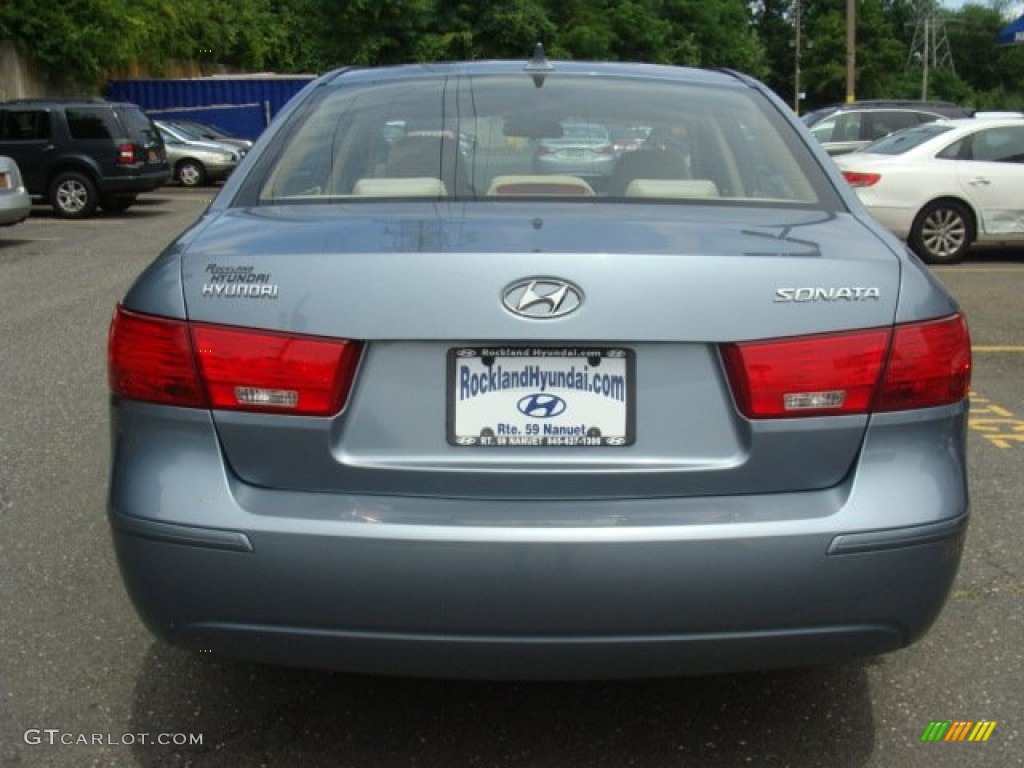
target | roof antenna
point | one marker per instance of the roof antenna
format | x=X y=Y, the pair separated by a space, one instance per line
x=539 y=64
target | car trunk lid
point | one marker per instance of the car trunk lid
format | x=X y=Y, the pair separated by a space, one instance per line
x=427 y=285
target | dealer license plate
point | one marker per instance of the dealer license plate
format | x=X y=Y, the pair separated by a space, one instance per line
x=540 y=396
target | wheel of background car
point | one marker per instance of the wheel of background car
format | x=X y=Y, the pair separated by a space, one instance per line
x=942 y=232
x=116 y=203
x=73 y=195
x=191 y=173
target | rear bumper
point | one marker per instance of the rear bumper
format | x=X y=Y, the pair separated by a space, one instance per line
x=144 y=181
x=530 y=610
x=365 y=584
x=14 y=208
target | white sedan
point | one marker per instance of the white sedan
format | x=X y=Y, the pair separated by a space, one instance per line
x=946 y=185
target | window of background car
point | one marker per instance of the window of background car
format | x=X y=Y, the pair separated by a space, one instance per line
x=842 y=127
x=136 y=122
x=24 y=124
x=906 y=140
x=501 y=137
x=91 y=123
x=999 y=145
x=880 y=124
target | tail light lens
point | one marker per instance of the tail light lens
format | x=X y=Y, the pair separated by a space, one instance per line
x=917 y=365
x=212 y=366
x=930 y=364
x=150 y=359
x=126 y=154
x=857 y=179
x=808 y=376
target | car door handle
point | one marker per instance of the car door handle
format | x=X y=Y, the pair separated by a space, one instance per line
x=979 y=181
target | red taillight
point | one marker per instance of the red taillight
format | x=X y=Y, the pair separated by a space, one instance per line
x=276 y=372
x=930 y=364
x=857 y=179
x=807 y=376
x=126 y=154
x=543 y=150
x=232 y=368
x=150 y=358
x=919 y=365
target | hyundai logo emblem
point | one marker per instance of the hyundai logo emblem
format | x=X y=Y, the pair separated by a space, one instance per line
x=542 y=298
x=541 y=406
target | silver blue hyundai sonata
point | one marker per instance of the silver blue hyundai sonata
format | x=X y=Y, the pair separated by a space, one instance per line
x=400 y=402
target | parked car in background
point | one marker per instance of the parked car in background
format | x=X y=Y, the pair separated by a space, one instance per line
x=396 y=407
x=195 y=163
x=80 y=154
x=944 y=186
x=206 y=132
x=843 y=128
x=15 y=203
x=578 y=147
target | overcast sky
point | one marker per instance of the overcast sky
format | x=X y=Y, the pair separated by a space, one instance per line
x=1015 y=9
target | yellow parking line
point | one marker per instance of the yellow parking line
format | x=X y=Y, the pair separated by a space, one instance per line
x=998 y=348
x=998 y=425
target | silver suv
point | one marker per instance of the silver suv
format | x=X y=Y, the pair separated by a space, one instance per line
x=843 y=128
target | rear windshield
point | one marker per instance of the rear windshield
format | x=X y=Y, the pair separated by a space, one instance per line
x=903 y=141
x=137 y=123
x=500 y=137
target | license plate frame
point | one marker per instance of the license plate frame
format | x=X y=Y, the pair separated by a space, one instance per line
x=520 y=396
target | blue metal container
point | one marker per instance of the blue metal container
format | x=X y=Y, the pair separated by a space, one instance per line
x=243 y=105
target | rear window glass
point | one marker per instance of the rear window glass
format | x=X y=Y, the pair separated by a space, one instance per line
x=901 y=142
x=501 y=137
x=92 y=123
x=136 y=123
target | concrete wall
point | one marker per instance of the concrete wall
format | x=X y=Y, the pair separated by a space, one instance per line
x=21 y=79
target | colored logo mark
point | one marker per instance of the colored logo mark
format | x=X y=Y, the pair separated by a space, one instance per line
x=958 y=730
x=541 y=406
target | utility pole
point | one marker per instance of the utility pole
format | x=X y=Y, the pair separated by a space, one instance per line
x=930 y=46
x=924 y=60
x=851 y=50
x=796 y=57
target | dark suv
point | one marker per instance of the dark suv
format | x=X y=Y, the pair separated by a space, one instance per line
x=843 y=128
x=78 y=154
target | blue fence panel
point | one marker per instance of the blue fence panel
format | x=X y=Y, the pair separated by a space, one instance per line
x=243 y=106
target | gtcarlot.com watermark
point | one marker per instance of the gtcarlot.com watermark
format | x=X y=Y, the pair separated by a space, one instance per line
x=57 y=737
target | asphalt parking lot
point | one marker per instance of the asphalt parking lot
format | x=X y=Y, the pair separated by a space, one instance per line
x=82 y=683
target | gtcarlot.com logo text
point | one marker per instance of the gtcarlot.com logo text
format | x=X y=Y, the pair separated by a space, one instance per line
x=57 y=737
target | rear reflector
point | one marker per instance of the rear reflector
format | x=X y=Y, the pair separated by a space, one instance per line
x=918 y=365
x=212 y=366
